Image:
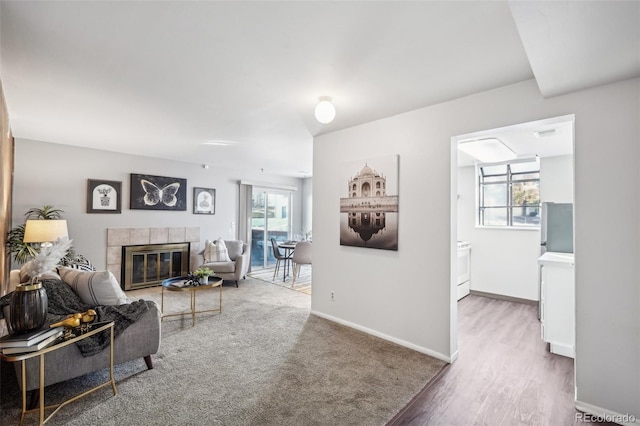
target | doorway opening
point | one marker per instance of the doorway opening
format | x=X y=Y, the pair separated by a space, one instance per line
x=502 y=259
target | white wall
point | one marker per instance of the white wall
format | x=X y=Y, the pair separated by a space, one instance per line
x=55 y=174
x=406 y=295
x=504 y=261
x=307 y=205
x=394 y=294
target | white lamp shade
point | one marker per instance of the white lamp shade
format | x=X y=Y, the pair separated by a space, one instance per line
x=325 y=111
x=44 y=231
x=487 y=150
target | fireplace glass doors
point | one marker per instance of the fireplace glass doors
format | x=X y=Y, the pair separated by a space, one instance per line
x=149 y=265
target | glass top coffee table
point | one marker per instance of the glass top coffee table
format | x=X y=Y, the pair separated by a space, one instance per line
x=182 y=284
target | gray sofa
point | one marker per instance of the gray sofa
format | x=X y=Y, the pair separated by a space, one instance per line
x=237 y=268
x=140 y=340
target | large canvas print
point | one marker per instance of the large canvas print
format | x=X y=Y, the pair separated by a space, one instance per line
x=369 y=205
x=158 y=192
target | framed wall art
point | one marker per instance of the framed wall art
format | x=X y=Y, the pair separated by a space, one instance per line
x=150 y=192
x=204 y=201
x=369 y=205
x=104 y=196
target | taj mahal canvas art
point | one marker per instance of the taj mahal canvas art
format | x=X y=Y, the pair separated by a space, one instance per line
x=369 y=203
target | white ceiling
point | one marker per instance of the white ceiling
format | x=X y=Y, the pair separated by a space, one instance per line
x=550 y=137
x=161 y=78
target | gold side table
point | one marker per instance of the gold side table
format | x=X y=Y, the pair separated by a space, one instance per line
x=41 y=353
x=173 y=284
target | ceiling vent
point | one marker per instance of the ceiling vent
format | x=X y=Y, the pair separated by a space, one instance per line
x=545 y=133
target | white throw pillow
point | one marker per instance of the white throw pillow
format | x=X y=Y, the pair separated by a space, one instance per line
x=216 y=251
x=94 y=288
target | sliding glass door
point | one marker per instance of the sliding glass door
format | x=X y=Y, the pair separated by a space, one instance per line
x=270 y=218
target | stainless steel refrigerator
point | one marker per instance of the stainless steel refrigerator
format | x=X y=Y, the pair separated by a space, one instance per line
x=556 y=228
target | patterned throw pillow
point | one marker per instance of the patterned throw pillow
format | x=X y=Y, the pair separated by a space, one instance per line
x=216 y=251
x=94 y=288
x=77 y=262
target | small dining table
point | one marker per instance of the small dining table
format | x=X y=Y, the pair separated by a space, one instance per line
x=289 y=247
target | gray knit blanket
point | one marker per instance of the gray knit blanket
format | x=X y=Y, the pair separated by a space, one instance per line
x=64 y=302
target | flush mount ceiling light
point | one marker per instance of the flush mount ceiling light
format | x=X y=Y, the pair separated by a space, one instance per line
x=487 y=150
x=325 y=111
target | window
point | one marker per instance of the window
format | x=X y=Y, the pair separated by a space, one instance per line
x=509 y=194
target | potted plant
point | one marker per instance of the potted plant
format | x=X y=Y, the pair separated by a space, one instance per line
x=203 y=274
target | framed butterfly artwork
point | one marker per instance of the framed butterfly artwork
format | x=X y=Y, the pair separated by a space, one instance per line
x=158 y=193
x=204 y=201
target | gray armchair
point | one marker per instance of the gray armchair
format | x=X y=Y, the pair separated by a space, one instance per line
x=237 y=268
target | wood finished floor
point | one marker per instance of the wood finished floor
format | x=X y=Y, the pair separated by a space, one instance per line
x=504 y=375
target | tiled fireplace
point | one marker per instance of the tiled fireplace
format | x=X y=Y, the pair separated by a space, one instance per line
x=148 y=241
x=149 y=264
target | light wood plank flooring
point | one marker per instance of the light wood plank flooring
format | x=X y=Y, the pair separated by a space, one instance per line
x=504 y=375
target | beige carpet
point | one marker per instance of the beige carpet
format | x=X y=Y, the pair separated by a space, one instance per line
x=263 y=361
x=303 y=281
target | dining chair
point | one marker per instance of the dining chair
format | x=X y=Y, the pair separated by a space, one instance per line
x=301 y=256
x=279 y=257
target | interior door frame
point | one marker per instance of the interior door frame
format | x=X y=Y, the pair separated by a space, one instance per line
x=455 y=140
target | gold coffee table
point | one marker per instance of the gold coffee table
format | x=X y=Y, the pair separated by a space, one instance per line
x=177 y=284
x=41 y=354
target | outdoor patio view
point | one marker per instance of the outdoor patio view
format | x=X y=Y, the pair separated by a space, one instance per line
x=270 y=218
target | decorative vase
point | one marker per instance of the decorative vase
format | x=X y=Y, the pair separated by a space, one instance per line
x=204 y=280
x=28 y=308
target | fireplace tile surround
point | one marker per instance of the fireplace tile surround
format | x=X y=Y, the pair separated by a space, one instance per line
x=118 y=237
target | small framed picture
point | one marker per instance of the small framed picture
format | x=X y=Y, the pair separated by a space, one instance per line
x=104 y=196
x=204 y=201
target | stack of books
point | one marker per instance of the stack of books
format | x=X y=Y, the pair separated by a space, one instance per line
x=29 y=342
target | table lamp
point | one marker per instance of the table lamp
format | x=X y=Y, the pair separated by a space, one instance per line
x=45 y=231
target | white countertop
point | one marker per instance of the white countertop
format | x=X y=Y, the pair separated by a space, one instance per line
x=555 y=257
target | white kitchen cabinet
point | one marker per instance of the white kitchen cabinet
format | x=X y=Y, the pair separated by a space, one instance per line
x=557 y=302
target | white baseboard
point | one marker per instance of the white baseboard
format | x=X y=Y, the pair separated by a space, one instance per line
x=383 y=336
x=562 y=349
x=603 y=415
